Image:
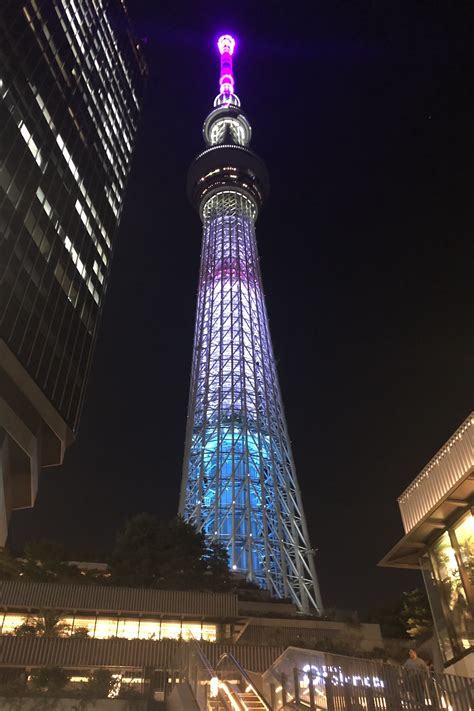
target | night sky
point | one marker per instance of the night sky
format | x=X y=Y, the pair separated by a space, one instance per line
x=361 y=111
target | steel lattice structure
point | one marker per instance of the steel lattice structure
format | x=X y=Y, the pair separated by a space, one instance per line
x=239 y=483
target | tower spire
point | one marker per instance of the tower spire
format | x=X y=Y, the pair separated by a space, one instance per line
x=226 y=46
x=239 y=482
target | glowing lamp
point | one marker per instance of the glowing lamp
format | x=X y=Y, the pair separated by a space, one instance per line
x=226 y=44
x=214 y=687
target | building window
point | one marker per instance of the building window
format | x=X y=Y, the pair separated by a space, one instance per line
x=149 y=629
x=127 y=629
x=84 y=623
x=464 y=533
x=437 y=608
x=209 y=633
x=123 y=627
x=12 y=621
x=453 y=593
x=171 y=630
x=106 y=627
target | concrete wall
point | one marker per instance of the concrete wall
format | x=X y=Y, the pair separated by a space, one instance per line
x=465 y=667
x=267 y=630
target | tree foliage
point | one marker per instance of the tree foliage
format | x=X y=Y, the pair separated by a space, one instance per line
x=44 y=561
x=149 y=552
x=416 y=614
x=52 y=678
x=10 y=568
x=48 y=624
x=388 y=617
x=153 y=553
x=409 y=617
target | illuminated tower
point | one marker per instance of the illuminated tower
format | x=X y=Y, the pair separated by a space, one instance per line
x=239 y=483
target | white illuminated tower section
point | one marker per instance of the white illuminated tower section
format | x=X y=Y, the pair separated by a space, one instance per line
x=239 y=483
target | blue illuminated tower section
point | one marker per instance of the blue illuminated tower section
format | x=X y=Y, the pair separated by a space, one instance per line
x=239 y=483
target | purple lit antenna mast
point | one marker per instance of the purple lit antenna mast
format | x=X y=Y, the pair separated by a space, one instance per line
x=226 y=45
x=239 y=482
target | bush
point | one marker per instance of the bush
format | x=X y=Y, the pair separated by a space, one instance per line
x=13 y=688
x=80 y=632
x=100 y=684
x=51 y=679
x=27 y=629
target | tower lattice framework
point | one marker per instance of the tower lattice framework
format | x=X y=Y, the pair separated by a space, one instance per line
x=239 y=483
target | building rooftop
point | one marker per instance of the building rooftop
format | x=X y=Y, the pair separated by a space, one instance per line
x=441 y=489
x=100 y=598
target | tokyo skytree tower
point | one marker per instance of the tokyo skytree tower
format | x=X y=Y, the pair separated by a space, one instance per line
x=239 y=483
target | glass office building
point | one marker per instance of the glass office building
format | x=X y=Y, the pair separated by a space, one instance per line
x=71 y=84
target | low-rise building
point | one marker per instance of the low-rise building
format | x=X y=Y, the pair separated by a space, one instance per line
x=133 y=628
x=437 y=515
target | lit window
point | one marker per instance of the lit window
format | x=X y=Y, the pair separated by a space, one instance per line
x=464 y=532
x=67 y=156
x=11 y=621
x=84 y=623
x=106 y=628
x=209 y=633
x=44 y=110
x=170 y=630
x=149 y=629
x=128 y=629
x=28 y=138
x=191 y=630
x=452 y=589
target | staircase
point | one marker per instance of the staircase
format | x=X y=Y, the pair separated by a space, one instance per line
x=226 y=687
x=250 y=701
x=242 y=700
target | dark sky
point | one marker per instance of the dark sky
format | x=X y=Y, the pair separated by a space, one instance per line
x=361 y=111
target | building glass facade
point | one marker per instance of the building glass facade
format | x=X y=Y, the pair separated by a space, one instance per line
x=71 y=85
x=448 y=569
x=122 y=627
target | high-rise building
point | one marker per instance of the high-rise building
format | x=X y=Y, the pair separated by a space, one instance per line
x=239 y=483
x=71 y=82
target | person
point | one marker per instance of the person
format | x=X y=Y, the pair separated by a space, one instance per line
x=414 y=663
x=417 y=676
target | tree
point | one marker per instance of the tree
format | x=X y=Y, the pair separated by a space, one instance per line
x=48 y=554
x=153 y=553
x=101 y=683
x=415 y=613
x=51 y=679
x=216 y=560
x=44 y=561
x=47 y=624
x=27 y=629
x=10 y=568
x=388 y=617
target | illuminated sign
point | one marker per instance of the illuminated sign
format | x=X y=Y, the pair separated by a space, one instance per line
x=338 y=678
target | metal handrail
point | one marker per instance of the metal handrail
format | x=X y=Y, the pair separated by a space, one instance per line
x=243 y=673
x=206 y=666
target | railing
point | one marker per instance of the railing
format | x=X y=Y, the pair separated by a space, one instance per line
x=218 y=689
x=195 y=670
x=329 y=682
x=244 y=677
